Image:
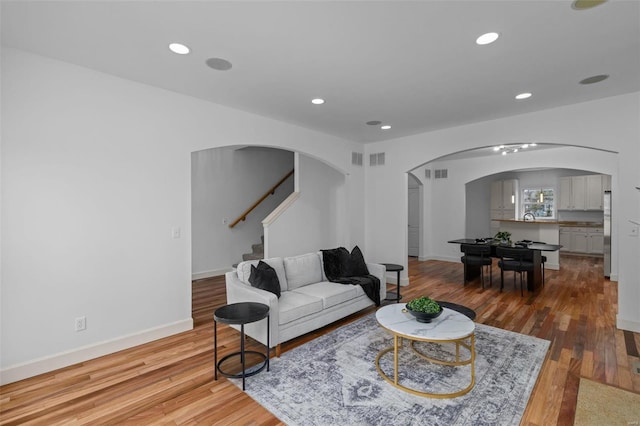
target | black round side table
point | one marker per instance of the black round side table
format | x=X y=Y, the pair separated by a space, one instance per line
x=394 y=296
x=470 y=313
x=240 y=313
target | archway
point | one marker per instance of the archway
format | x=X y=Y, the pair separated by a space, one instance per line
x=446 y=200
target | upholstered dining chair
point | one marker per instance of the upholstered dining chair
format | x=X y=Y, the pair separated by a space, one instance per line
x=477 y=255
x=516 y=259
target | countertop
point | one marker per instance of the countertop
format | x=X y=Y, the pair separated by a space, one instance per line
x=554 y=222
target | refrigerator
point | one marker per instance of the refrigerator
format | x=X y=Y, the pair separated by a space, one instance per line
x=607 y=233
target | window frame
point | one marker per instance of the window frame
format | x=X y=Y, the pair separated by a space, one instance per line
x=549 y=204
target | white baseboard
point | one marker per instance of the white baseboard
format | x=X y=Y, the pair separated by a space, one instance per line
x=44 y=365
x=392 y=278
x=209 y=274
x=444 y=258
x=628 y=325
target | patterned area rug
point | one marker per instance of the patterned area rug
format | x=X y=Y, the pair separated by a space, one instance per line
x=333 y=380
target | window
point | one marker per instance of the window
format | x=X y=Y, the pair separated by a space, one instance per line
x=539 y=201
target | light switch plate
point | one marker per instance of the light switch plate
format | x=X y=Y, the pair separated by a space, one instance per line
x=175 y=232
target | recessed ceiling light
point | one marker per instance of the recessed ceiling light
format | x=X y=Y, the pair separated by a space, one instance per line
x=496 y=148
x=487 y=38
x=374 y=122
x=178 y=48
x=523 y=96
x=385 y=127
x=586 y=4
x=505 y=153
x=594 y=79
x=317 y=101
x=525 y=146
x=218 y=64
x=533 y=144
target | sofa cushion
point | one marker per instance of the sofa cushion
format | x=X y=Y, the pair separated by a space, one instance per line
x=264 y=277
x=293 y=305
x=331 y=293
x=244 y=270
x=302 y=270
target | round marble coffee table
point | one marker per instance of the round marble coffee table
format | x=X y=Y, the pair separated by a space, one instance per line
x=449 y=327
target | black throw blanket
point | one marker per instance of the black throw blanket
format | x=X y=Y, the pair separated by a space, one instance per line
x=369 y=283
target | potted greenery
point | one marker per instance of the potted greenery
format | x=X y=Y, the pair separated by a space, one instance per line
x=504 y=237
x=424 y=309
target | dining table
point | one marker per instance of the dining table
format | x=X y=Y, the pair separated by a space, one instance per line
x=534 y=277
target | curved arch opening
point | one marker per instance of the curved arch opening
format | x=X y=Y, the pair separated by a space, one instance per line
x=227 y=180
x=457 y=190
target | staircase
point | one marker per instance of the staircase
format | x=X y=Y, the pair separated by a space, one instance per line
x=257 y=251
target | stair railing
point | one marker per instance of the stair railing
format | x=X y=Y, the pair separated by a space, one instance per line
x=271 y=191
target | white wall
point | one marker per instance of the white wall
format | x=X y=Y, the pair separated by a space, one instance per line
x=478 y=209
x=224 y=183
x=611 y=124
x=317 y=219
x=95 y=174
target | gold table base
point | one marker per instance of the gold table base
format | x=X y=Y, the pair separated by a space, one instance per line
x=397 y=344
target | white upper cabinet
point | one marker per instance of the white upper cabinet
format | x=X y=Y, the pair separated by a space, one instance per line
x=565 y=201
x=582 y=192
x=504 y=199
x=595 y=191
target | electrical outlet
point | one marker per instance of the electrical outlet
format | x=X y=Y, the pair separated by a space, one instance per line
x=175 y=232
x=81 y=323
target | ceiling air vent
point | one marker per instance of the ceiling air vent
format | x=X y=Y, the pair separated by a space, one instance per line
x=356 y=158
x=441 y=173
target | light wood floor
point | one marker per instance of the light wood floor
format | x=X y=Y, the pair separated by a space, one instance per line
x=170 y=381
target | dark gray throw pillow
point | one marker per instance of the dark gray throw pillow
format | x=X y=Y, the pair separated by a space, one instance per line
x=265 y=277
x=358 y=265
x=336 y=263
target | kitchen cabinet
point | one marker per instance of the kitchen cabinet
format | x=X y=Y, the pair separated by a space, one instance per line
x=586 y=240
x=594 y=192
x=565 y=239
x=595 y=243
x=582 y=192
x=579 y=238
x=504 y=199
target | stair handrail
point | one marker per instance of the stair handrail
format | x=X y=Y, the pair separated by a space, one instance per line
x=271 y=191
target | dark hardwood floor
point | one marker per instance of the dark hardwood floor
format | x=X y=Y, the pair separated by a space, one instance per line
x=170 y=381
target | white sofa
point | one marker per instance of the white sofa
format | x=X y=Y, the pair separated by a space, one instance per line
x=307 y=301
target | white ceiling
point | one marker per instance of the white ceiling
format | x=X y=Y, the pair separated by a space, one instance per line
x=413 y=65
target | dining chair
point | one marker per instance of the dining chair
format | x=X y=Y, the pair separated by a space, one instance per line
x=516 y=259
x=477 y=255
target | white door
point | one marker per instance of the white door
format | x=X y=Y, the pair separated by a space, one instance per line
x=414 y=222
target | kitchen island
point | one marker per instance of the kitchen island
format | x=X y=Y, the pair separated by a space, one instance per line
x=547 y=231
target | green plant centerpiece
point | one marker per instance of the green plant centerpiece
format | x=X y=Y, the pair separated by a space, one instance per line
x=424 y=309
x=504 y=237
